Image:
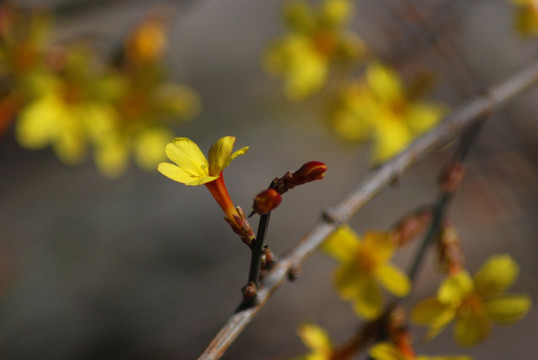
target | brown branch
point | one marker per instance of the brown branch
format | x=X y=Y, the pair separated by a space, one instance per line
x=378 y=180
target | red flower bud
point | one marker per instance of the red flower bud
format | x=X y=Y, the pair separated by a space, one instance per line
x=312 y=170
x=266 y=201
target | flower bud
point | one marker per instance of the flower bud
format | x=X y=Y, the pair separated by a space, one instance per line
x=312 y=170
x=407 y=229
x=266 y=201
x=249 y=291
x=450 y=253
x=451 y=177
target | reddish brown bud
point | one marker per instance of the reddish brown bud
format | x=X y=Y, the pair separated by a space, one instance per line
x=312 y=170
x=407 y=229
x=451 y=177
x=266 y=201
x=249 y=291
x=450 y=253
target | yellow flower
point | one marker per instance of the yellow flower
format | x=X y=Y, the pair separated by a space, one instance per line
x=526 y=17
x=388 y=351
x=317 y=340
x=315 y=41
x=49 y=120
x=475 y=303
x=351 y=113
x=365 y=265
x=398 y=119
x=192 y=168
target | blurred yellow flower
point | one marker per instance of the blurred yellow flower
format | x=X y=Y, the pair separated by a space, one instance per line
x=351 y=113
x=364 y=265
x=379 y=108
x=317 y=340
x=474 y=303
x=147 y=42
x=388 y=351
x=192 y=168
x=66 y=98
x=398 y=119
x=526 y=17
x=316 y=40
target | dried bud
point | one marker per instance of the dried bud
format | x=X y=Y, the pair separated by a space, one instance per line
x=312 y=170
x=266 y=201
x=249 y=291
x=398 y=332
x=451 y=177
x=407 y=229
x=449 y=249
x=241 y=227
x=267 y=259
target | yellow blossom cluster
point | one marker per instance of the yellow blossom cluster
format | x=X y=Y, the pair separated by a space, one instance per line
x=364 y=268
x=526 y=17
x=375 y=107
x=474 y=303
x=315 y=41
x=65 y=97
x=379 y=108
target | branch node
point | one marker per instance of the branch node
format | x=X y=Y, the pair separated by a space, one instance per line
x=331 y=217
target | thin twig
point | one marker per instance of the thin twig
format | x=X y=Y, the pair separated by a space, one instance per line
x=256 y=253
x=365 y=336
x=378 y=180
x=466 y=139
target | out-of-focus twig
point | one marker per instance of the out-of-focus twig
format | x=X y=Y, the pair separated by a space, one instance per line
x=470 y=113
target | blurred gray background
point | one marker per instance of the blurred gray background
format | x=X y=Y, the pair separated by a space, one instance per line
x=144 y=268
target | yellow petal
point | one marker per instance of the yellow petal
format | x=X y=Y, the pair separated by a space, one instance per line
x=299 y=15
x=472 y=328
x=495 y=276
x=384 y=82
x=391 y=136
x=187 y=155
x=219 y=154
x=432 y=313
x=149 y=147
x=237 y=153
x=455 y=288
x=379 y=246
x=176 y=173
x=386 y=351
x=526 y=21
x=40 y=122
x=315 y=338
x=507 y=309
x=393 y=279
x=342 y=244
x=111 y=158
x=421 y=117
x=70 y=146
x=346 y=280
x=368 y=300
x=335 y=12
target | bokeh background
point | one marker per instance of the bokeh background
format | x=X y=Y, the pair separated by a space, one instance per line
x=141 y=267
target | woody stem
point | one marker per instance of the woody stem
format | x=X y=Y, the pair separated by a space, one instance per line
x=257 y=250
x=468 y=136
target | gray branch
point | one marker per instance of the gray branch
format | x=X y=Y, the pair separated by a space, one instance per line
x=482 y=105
